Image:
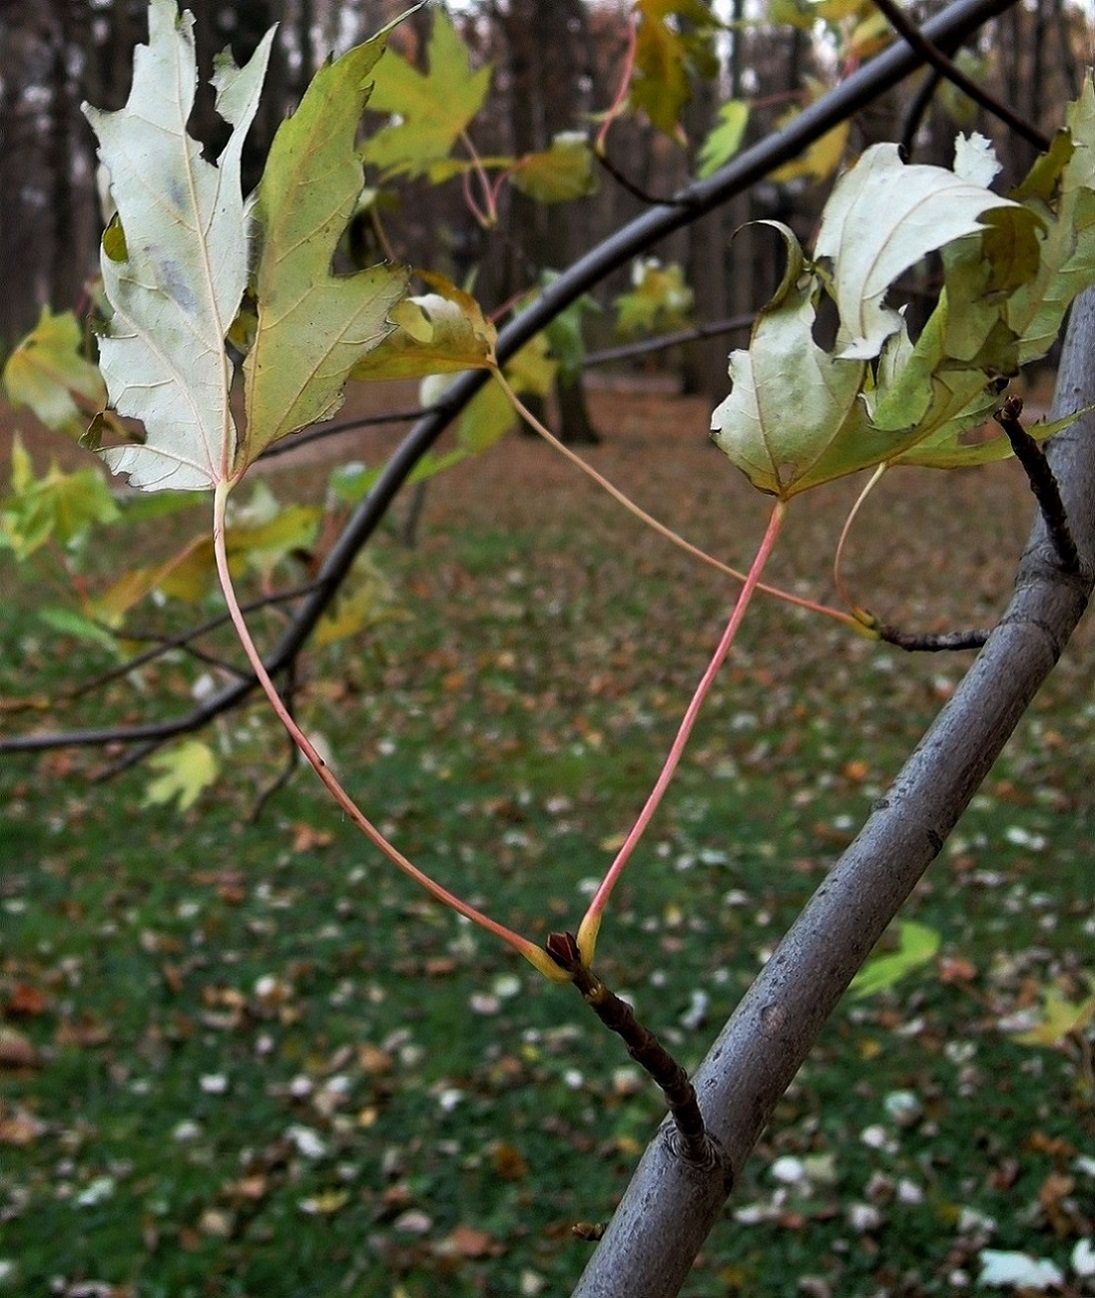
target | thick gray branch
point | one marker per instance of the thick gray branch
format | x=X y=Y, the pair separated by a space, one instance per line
x=671 y=1205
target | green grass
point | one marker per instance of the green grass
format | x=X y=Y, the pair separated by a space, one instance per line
x=266 y=1066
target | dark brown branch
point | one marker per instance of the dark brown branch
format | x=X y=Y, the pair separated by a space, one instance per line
x=948 y=641
x=901 y=23
x=636 y=191
x=1043 y=484
x=644 y=1047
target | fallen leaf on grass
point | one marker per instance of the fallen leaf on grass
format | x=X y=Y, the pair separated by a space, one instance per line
x=85 y=1032
x=25 y=1000
x=20 y=1128
x=467 y=1241
x=15 y=1050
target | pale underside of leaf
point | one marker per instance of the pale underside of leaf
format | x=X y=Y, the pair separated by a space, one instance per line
x=177 y=290
x=883 y=217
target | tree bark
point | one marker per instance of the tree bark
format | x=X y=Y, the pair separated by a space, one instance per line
x=671 y=1205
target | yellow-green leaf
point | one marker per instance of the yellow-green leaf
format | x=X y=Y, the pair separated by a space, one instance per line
x=186 y=771
x=430 y=110
x=724 y=139
x=561 y=174
x=47 y=370
x=56 y=507
x=1061 y=1019
x=313 y=327
x=917 y=944
x=441 y=332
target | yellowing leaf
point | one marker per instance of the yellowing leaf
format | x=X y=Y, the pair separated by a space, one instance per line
x=47 y=368
x=312 y=326
x=186 y=770
x=819 y=160
x=431 y=109
x=561 y=174
x=364 y=601
x=441 y=332
x=1061 y=1019
x=175 y=284
x=665 y=56
x=658 y=299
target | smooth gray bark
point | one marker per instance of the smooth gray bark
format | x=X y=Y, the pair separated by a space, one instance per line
x=670 y=1206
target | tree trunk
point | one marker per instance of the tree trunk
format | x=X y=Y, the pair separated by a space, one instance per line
x=670 y=1205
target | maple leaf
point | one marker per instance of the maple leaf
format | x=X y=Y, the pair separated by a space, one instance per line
x=433 y=108
x=47 y=368
x=187 y=770
x=313 y=327
x=724 y=140
x=174 y=261
x=559 y=174
x=917 y=944
x=666 y=55
x=882 y=218
x=58 y=506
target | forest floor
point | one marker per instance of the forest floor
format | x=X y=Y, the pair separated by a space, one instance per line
x=244 y=1057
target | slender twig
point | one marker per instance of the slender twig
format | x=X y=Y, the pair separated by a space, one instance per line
x=166 y=643
x=591 y=922
x=695 y=1145
x=660 y=528
x=890 y=634
x=1043 y=484
x=932 y=54
x=327 y=777
x=946 y=641
x=636 y=191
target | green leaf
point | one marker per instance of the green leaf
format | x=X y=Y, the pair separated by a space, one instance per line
x=176 y=284
x=48 y=368
x=917 y=944
x=724 y=140
x=432 y=109
x=59 y=507
x=313 y=327
x=67 y=621
x=1060 y=191
x=561 y=174
x=790 y=403
x=186 y=771
x=882 y=218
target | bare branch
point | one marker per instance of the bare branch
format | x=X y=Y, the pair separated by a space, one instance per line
x=901 y=23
